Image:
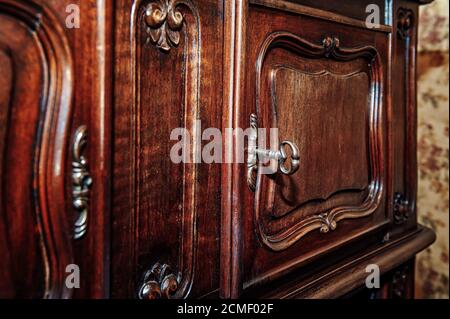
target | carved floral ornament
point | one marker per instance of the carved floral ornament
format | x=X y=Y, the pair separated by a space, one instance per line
x=159 y=283
x=330 y=44
x=164 y=23
x=399 y=284
x=401 y=209
x=405 y=19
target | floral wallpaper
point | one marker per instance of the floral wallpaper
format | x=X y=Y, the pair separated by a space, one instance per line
x=432 y=266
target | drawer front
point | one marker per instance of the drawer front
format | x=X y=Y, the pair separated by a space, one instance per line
x=323 y=86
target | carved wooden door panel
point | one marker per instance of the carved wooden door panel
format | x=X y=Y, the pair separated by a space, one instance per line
x=165 y=214
x=35 y=106
x=323 y=86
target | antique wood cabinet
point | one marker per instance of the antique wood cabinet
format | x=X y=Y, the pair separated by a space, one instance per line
x=91 y=92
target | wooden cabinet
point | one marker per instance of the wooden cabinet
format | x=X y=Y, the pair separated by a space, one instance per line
x=326 y=81
x=323 y=85
x=88 y=116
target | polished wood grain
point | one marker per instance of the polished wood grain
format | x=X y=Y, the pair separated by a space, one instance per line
x=86 y=118
x=54 y=80
x=92 y=45
x=349 y=275
x=165 y=213
x=319 y=201
x=36 y=112
x=253 y=264
x=304 y=48
x=345 y=106
x=354 y=13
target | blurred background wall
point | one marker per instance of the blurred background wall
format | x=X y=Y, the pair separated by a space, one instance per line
x=432 y=268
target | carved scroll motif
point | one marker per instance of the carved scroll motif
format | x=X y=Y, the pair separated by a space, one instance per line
x=164 y=22
x=82 y=182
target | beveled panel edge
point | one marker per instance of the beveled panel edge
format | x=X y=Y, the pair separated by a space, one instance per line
x=319 y=14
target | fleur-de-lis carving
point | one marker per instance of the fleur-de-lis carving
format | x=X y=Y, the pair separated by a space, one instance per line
x=330 y=45
x=401 y=209
x=164 y=22
x=328 y=223
x=404 y=22
x=159 y=282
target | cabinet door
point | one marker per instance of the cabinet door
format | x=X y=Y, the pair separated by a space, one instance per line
x=35 y=106
x=323 y=85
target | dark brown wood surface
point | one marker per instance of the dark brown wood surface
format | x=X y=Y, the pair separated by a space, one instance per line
x=163 y=212
x=136 y=70
x=289 y=235
x=36 y=112
x=241 y=243
x=54 y=79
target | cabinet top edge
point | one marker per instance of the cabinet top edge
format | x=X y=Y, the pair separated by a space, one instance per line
x=297 y=8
